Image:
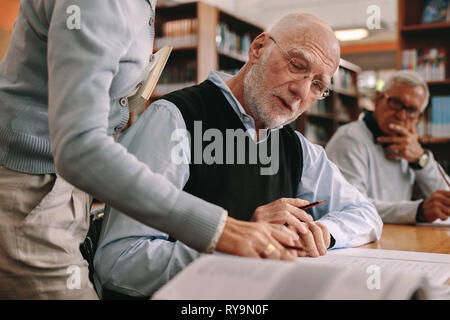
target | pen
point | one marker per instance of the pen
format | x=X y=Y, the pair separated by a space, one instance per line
x=312 y=204
x=441 y=171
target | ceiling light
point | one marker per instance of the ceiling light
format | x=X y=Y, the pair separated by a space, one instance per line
x=351 y=34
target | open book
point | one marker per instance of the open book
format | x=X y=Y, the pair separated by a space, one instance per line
x=140 y=98
x=341 y=274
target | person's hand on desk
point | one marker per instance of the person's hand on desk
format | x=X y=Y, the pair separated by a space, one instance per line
x=314 y=237
x=257 y=240
x=435 y=207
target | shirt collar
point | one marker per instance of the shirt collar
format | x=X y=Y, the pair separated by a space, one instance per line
x=152 y=3
x=372 y=125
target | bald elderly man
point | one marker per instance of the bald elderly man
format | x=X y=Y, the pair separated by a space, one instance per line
x=227 y=141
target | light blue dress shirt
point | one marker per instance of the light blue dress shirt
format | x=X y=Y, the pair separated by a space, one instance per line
x=137 y=260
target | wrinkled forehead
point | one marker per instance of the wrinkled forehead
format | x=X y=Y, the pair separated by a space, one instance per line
x=313 y=40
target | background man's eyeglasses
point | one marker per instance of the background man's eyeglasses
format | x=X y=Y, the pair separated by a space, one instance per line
x=395 y=103
x=298 y=71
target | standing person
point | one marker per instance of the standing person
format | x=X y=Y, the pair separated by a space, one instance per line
x=382 y=157
x=64 y=85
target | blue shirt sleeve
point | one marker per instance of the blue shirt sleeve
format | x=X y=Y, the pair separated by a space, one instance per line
x=351 y=219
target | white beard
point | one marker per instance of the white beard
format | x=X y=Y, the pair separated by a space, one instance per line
x=257 y=98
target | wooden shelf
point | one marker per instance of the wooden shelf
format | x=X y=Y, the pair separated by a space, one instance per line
x=433 y=140
x=428 y=27
x=180 y=48
x=345 y=92
x=327 y=116
x=369 y=47
x=348 y=65
x=439 y=83
x=233 y=55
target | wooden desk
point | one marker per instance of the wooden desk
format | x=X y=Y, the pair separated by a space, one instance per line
x=413 y=238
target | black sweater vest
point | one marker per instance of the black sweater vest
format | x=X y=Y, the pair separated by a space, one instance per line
x=238 y=188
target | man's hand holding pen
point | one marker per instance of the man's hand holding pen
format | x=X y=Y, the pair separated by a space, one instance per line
x=314 y=238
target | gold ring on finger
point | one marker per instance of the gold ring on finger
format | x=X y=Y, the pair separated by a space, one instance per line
x=269 y=249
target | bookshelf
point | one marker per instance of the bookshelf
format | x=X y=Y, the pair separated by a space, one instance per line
x=413 y=34
x=204 y=38
x=323 y=117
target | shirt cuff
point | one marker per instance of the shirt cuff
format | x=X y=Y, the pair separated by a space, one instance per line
x=223 y=220
x=338 y=240
x=332 y=241
x=419 y=209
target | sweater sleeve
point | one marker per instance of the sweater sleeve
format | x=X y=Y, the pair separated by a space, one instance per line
x=81 y=66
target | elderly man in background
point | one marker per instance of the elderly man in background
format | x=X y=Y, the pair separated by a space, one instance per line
x=382 y=157
x=289 y=67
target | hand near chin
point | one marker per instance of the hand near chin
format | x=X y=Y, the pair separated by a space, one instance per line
x=405 y=145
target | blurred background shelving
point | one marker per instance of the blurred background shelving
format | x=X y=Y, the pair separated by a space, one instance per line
x=422 y=39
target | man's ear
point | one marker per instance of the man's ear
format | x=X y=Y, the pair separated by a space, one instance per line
x=257 y=47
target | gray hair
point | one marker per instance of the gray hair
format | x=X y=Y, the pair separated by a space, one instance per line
x=410 y=78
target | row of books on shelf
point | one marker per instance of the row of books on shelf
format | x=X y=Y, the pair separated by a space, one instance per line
x=436 y=11
x=181 y=27
x=179 y=72
x=437 y=122
x=429 y=63
x=178 y=33
x=230 y=41
x=343 y=80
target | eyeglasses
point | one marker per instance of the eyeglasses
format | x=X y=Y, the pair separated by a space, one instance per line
x=299 y=71
x=395 y=103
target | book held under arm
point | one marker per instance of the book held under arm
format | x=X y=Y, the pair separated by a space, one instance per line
x=140 y=98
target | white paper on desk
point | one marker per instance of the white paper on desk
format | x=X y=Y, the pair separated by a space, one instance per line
x=436 y=223
x=235 y=278
x=434 y=266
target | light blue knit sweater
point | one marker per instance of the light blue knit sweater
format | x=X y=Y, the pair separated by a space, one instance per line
x=62 y=91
